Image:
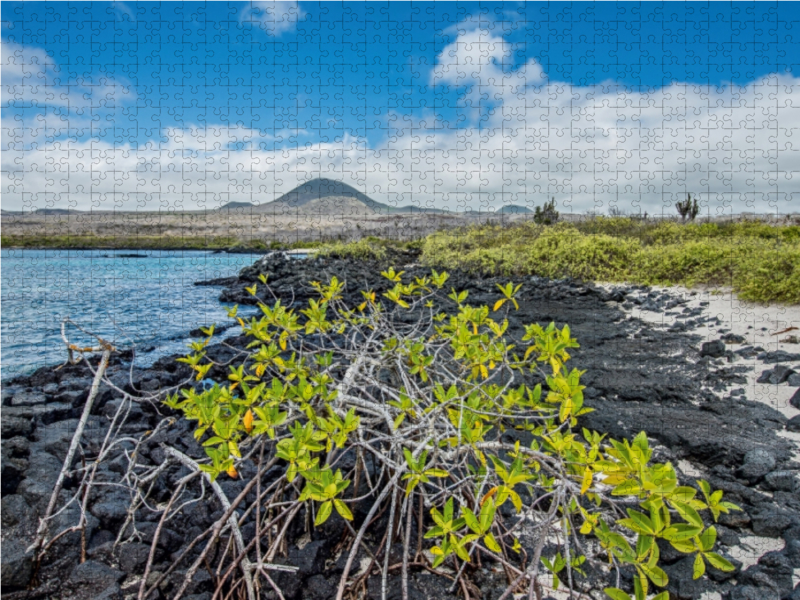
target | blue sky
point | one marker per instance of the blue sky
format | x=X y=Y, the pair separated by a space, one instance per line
x=457 y=105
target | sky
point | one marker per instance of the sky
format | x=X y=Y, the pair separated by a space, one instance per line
x=189 y=105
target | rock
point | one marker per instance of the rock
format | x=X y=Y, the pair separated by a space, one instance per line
x=28 y=398
x=733 y=338
x=15 y=510
x=40 y=477
x=11 y=426
x=56 y=438
x=681 y=584
x=12 y=470
x=749 y=592
x=93 y=578
x=133 y=557
x=793 y=424
x=780 y=374
x=765 y=376
x=773 y=571
x=110 y=512
x=770 y=523
x=785 y=481
x=51 y=389
x=16 y=566
x=726 y=536
x=713 y=349
x=46 y=413
x=757 y=463
x=778 y=356
x=793 y=380
x=319 y=587
x=74 y=398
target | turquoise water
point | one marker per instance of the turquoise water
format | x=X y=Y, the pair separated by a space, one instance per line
x=147 y=302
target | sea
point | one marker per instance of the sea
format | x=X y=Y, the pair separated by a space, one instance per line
x=148 y=301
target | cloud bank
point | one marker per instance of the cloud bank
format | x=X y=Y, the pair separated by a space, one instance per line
x=518 y=138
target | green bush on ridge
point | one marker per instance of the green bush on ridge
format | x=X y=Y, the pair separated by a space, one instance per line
x=760 y=262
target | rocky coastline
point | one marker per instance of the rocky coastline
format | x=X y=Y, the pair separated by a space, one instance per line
x=687 y=392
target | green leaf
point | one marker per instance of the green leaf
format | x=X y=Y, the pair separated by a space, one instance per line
x=471 y=520
x=688 y=513
x=325 y=510
x=491 y=543
x=343 y=510
x=708 y=538
x=699 y=566
x=719 y=562
x=616 y=594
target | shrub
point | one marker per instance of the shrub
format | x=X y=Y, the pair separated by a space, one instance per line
x=547 y=214
x=419 y=406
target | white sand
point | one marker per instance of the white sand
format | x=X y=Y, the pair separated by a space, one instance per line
x=759 y=324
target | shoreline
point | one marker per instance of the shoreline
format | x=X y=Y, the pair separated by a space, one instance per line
x=642 y=373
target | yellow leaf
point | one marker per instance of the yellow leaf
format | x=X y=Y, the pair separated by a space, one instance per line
x=232 y=472
x=587 y=480
x=248 y=421
x=498 y=304
x=488 y=495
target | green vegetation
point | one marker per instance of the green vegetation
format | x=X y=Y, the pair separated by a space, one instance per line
x=368 y=248
x=547 y=214
x=328 y=388
x=427 y=421
x=760 y=262
x=139 y=242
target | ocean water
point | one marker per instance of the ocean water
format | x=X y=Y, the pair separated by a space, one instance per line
x=147 y=302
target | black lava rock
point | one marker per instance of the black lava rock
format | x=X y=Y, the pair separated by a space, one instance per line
x=713 y=349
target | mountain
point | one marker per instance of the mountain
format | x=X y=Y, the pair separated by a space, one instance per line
x=332 y=197
x=514 y=209
x=232 y=205
x=324 y=196
x=56 y=211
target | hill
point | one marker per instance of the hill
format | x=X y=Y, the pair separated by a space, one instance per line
x=232 y=205
x=514 y=209
x=332 y=197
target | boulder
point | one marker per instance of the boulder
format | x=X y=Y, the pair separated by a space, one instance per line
x=713 y=349
x=12 y=426
x=757 y=463
x=46 y=413
x=15 y=510
x=749 y=592
x=93 y=578
x=780 y=373
x=778 y=356
x=793 y=424
x=733 y=338
x=795 y=400
x=785 y=481
x=28 y=398
x=770 y=522
x=40 y=477
x=16 y=565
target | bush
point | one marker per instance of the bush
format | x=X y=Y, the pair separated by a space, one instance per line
x=418 y=406
x=547 y=214
x=759 y=261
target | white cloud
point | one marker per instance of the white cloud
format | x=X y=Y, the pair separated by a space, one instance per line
x=275 y=17
x=591 y=147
